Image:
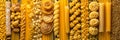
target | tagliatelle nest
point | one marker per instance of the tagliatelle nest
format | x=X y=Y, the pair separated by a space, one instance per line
x=46 y=28
x=47 y=5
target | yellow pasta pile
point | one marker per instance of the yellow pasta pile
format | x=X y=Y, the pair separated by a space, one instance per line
x=94 y=22
x=56 y=20
x=36 y=20
x=75 y=26
x=84 y=19
x=3 y=20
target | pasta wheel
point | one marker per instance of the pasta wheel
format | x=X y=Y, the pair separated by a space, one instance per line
x=94 y=22
x=93 y=31
x=93 y=15
x=47 y=18
x=56 y=20
x=93 y=6
x=46 y=28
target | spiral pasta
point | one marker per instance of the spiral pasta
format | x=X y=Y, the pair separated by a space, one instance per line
x=74 y=15
x=74 y=8
x=56 y=20
x=72 y=24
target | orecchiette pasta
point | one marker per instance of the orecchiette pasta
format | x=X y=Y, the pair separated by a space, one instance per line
x=93 y=15
x=93 y=30
x=93 y=6
x=94 y=22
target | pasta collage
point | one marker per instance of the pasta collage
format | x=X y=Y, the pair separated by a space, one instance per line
x=55 y=20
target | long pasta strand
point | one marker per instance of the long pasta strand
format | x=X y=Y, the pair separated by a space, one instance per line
x=2 y=24
x=56 y=20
